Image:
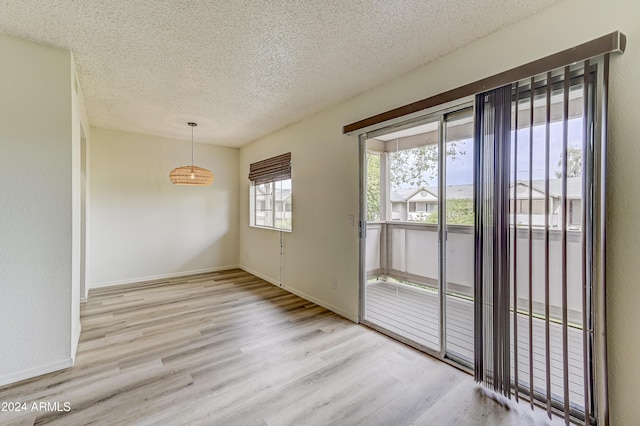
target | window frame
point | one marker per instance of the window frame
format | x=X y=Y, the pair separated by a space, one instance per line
x=286 y=210
x=274 y=172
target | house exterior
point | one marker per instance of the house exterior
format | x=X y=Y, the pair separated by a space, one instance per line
x=417 y=204
x=413 y=204
x=537 y=190
x=272 y=203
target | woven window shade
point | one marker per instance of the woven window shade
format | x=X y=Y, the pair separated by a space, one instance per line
x=271 y=170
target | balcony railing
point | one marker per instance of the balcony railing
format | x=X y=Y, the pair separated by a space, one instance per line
x=409 y=252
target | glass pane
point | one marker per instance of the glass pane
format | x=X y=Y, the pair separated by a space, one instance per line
x=401 y=293
x=373 y=186
x=283 y=204
x=459 y=257
x=272 y=205
x=413 y=179
x=264 y=204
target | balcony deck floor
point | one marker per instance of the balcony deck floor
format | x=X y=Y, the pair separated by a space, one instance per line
x=412 y=313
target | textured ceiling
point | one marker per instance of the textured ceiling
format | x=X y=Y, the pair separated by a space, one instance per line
x=243 y=68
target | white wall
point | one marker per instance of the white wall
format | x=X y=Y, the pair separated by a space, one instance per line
x=143 y=227
x=35 y=209
x=323 y=245
x=325 y=177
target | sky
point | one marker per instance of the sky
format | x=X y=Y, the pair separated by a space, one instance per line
x=460 y=168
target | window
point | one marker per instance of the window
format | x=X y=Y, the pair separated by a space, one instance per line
x=270 y=194
x=272 y=204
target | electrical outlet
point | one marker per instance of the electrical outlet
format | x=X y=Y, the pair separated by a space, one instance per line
x=334 y=283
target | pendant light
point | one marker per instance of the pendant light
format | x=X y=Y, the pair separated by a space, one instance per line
x=191 y=175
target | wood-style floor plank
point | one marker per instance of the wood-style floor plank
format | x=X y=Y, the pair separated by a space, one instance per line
x=229 y=348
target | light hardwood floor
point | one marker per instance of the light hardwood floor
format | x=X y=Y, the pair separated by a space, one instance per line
x=229 y=348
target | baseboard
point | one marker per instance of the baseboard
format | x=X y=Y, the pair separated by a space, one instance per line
x=161 y=276
x=36 y=371
x=305 y=296
x=259 y=275
x=329 y=306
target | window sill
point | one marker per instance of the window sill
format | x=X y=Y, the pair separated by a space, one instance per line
x=268 y=228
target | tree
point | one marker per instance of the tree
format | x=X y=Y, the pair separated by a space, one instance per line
x=373 y=187
x=459 y=212
x=416 y=167
x=574 y=163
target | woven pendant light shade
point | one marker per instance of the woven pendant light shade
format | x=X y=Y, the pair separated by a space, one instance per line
x=191 y=175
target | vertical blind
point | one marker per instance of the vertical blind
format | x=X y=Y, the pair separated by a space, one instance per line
x=493 y=127
x=537 y=322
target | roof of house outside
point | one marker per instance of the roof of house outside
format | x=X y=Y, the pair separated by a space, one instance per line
x=280 y=194
x=574 y=187
x=574 y=190
x=453 y=192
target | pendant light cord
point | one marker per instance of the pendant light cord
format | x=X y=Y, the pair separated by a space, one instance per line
x=192 y=125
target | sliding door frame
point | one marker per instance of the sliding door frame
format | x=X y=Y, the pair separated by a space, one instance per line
x=438 y=114
x=598 y=258
x=594 y=209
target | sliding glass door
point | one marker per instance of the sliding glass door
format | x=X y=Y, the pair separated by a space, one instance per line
x=459 y=242
x=417 y=262
x=497 y=262
x=402 y=234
